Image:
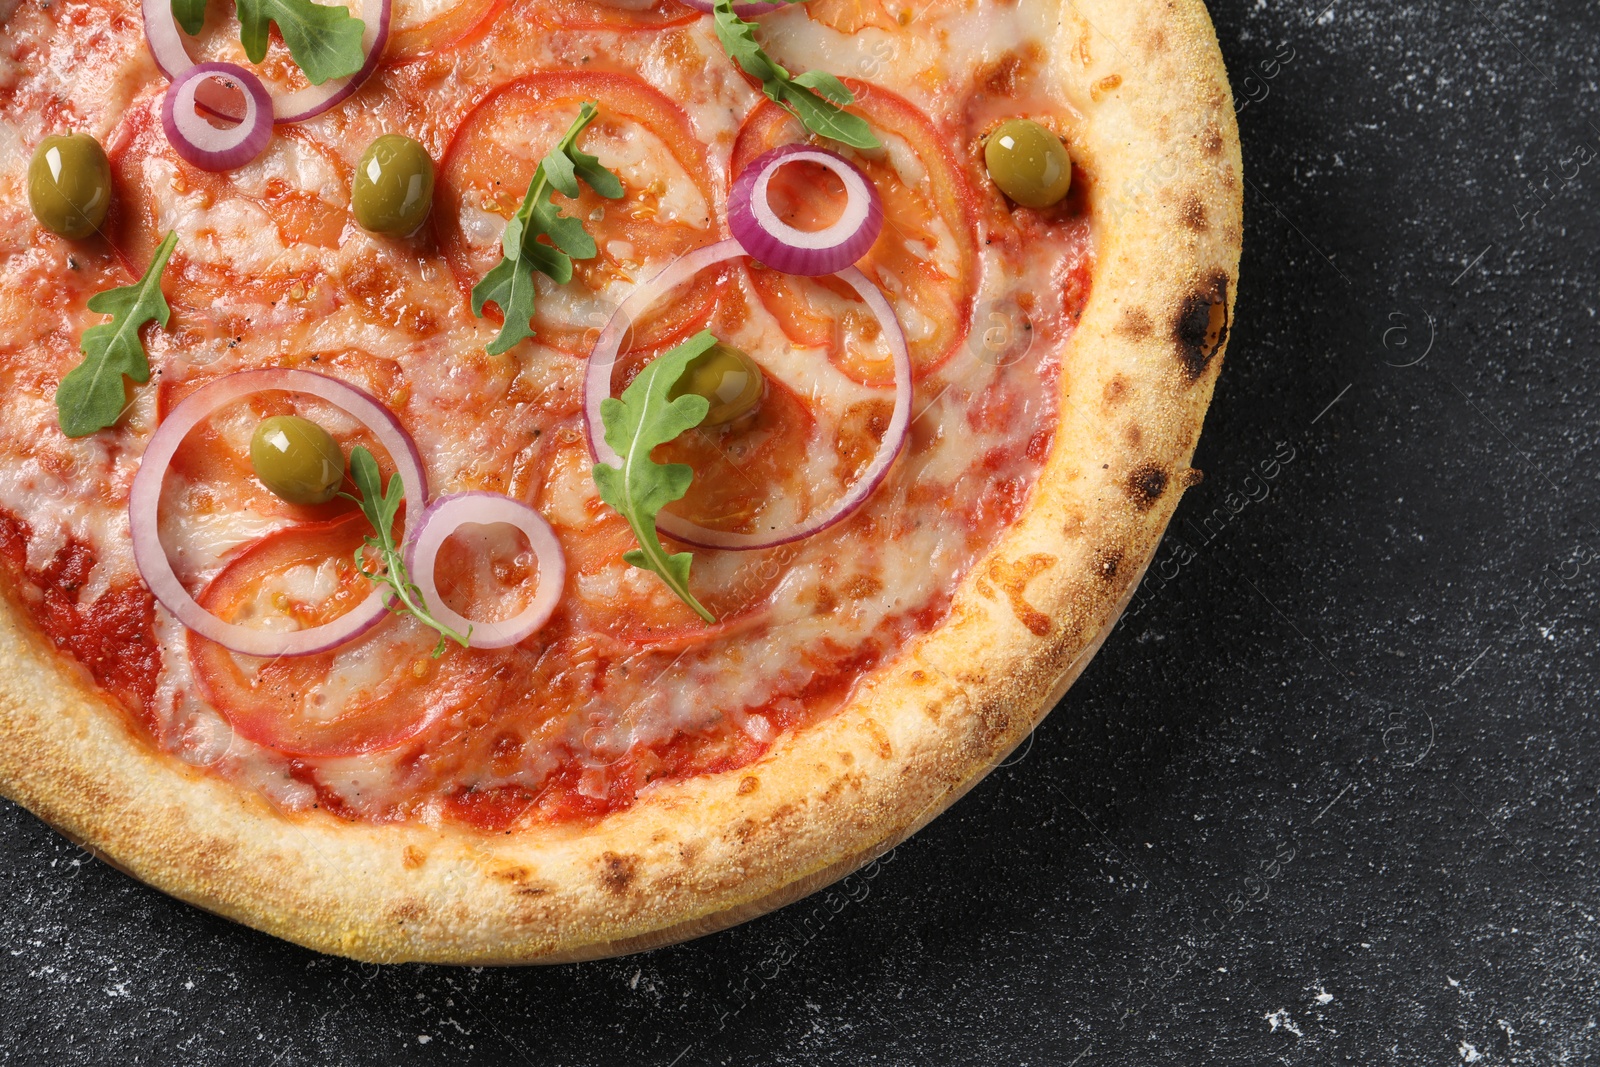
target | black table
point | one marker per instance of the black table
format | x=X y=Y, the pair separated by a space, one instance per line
x=1328 y=795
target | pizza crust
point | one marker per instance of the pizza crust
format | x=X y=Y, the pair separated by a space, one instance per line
x=1160 y=144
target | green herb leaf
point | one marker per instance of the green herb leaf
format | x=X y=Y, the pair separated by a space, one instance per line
x=380 y=506
x=324 y=39
x=635 y=424
x=91 y=396
x=815 y=97
x=510 y=283
x=191 y=15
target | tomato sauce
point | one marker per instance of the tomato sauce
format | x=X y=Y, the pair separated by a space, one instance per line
x=112 y=637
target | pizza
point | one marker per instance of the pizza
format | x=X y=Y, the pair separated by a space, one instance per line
x=513 y=481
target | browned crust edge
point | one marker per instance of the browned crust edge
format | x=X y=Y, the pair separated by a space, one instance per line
x=691 y=857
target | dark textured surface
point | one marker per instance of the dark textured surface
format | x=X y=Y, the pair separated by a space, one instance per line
x=1328 y=795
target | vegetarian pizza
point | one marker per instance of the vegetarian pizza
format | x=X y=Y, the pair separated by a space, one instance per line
x=527 y=480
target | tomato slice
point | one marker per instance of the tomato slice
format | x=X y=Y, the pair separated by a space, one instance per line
x=439 y=31
x=924 y=260
x=214 y=459
x=370 y=693
x=252 y=244
x=614 y=15
x=609 y=596
x=384 y=687
x=747 y=476
x=668 y=205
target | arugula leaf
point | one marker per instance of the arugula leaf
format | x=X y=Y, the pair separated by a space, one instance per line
x=510 y=283
x=91 y=395
x=815 y=97
x=636 y=423
x=324 y=39
x=380 y=508
x=191 y=15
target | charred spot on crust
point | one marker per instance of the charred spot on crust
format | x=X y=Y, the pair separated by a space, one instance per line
x=1201 y=325
x=1106 y=563
x=1192 y=213
x=521 y=881
x=409 y=910
x=880 y=740
x=1146 y=484
x=617 y=872
x=1191 y=478
x=1211 y=140
x=1116 y=389
x=1136 y=323
x=748 y=784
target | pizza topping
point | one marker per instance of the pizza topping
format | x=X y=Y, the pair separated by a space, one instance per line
x=775 y=243
x=451 y=515
x=201 y=142
x=927 y=254
x=361 y=696
x=393 y=187
x=606 y=450
x=69 y=184
x=510 y=283
x=325 y=40
x=672 y=201
x=297 y=459
x=381 y=506
x=816 y=98
x=744 y=11
x=144 y=503
x=336 y=51
x=648 y=415
x=731 y=382
x=1028 y=163
x=91 y=396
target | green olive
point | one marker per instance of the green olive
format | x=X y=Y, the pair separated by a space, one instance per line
x=394 y=186
x=69 y=184
x=297 y=459
x=725 y=376
x=1028 y=163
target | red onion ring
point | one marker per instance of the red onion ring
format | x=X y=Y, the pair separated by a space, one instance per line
x=165 y=39
x=167 y=48
x=443 y=517
x=597 y=387
x=144 y=502
x=203 y=144
x=809 y=252
x=744 y=11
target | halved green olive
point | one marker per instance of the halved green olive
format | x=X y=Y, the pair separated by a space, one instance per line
x=1028 y=163
x=297 y=459
x=69 y=184
x=393 y=189
x=725 y=376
